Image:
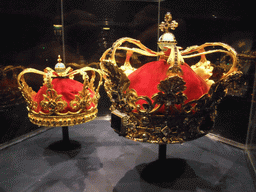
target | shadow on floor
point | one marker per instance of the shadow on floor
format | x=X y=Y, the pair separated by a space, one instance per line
x=173 y=174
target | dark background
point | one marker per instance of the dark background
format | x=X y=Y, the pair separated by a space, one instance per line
x=27 y=26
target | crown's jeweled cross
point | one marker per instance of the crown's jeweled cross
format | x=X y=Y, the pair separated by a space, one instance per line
x=168 y=23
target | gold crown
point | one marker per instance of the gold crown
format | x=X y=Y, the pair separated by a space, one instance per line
x=62 y=101
x=165 y=117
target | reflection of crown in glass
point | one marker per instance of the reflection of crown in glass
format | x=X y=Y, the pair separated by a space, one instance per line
x=9 y=92
x=62 y=101
x=164 y=101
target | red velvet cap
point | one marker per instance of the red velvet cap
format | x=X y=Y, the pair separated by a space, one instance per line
x=145 y=80
x=68 y=88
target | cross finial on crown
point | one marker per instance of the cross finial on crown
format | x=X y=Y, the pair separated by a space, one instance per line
x=168 y=23
x=59 y=59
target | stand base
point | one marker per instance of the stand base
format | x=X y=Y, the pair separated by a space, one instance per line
x=65 y=145
x=163 y=172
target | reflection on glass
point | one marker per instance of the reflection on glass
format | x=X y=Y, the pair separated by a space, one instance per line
x=92 y=26
x=251 y=134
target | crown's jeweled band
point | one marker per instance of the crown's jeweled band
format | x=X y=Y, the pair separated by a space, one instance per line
x=60 y=121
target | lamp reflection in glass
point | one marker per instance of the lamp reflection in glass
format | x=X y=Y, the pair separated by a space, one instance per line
x=57 y=30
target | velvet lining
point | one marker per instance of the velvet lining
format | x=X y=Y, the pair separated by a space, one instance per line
x=68 y=88
x=145 y=80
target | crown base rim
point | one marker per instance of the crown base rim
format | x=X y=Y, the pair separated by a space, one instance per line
x=156 y=133
x=162 y=140
x=60 y=121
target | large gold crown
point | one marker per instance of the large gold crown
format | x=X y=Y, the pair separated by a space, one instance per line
x=172 y=114
x=62 y=100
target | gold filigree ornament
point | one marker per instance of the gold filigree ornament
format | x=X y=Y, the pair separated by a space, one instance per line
x=62 y=101
x=165 y=117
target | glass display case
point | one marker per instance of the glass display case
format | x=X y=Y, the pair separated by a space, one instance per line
x=250 y=140
x=82 y=30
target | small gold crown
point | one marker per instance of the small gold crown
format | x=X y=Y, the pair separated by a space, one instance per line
x=166 y=116
x=62 y=101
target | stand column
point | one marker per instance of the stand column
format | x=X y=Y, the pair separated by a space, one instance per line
x=162 y=152
x=65 y=134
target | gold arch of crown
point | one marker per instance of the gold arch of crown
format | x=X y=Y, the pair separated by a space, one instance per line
x=109 y=54
x=176 y=57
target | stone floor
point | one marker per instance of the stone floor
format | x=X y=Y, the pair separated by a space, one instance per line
x=103 y=161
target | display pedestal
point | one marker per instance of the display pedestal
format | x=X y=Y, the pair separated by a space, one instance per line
x=65 y=144
x=163 y=172
x=162 y=152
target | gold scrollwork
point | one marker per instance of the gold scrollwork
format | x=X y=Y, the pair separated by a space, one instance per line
x=82 y=101
x=53 y=102
x=67 y=120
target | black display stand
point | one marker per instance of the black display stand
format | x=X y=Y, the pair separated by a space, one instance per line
x=162 y=152
x=65 y=144
x=65 y=134
x=163 y=172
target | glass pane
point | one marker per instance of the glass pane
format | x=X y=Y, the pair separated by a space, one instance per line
x=34 y=39
x=91 y=26
x=27 y=29
x=251 y=135
x=220 y=21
